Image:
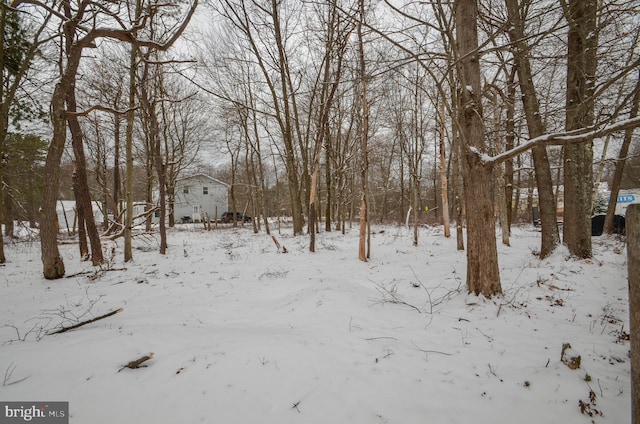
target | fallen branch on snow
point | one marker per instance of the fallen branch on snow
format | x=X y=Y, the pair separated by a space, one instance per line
x=138 y=362
x=80 y=324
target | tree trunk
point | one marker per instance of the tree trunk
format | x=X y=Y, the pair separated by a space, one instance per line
x=287 y=127
x=83 y=246
x=155 y=144
x=7 y=213
x=443 y=176
x=53 y=265
x=128 y=220
x=509 y=144
x=622 y=157
x=81 y=186
x=544 y=182
x=483 y=275
x=578 y=158
x=633 y=254
x=364 y=138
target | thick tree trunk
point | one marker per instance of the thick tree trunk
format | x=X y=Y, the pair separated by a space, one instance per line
x=578 y=158
x=483 y=275
x=53 y=265
x=633 y=255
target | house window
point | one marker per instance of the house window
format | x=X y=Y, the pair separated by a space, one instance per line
x=185 y=189
x=205 y=190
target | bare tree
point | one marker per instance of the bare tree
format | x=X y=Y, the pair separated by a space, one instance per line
x=546 y=198
x=363 y=133
x=82 y=38
x=336 y=42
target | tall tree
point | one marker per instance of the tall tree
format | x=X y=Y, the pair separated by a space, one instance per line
x=85 y=11
x=582 y=62
x=84 y=205
x=335 y=45
x=550 y=234
x=620 y=163
x=483 y=275
x=364 y=133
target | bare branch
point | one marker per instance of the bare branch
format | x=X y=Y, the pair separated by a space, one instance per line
x=567 y=137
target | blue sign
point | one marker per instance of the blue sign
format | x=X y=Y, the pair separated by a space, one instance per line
x=626 y=198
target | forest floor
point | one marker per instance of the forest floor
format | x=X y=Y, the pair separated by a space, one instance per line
x=243 y=333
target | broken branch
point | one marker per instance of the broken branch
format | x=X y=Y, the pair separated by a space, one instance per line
x=80 y=324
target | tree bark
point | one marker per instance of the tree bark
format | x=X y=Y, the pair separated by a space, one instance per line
x=53 y=265
x=364 y=138
x=578 y=158
x=619 y=169
x=483 y=275
x=443 y=175
x=544 y=181
x=287 y=126
x=81 y=186
x=633 y=254
x=149 y=106
x=330 y=84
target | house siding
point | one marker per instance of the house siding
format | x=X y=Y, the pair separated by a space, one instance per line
x=195 y=203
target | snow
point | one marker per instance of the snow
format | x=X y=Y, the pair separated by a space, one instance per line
x=244 y=334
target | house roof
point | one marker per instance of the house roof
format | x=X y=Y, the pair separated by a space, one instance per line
x=202 y=175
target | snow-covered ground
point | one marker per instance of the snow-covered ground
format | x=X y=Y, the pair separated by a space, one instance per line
x=244 y=334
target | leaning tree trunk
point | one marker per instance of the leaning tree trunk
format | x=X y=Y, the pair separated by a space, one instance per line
x=544 y=181
x=81 y=186
x=622 y=157
x=483 y=275
x=578 y=158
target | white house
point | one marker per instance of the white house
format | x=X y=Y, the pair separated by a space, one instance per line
x=200 y=194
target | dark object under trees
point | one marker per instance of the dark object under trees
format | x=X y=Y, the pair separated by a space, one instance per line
x=598 y=221
x=633 y=260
